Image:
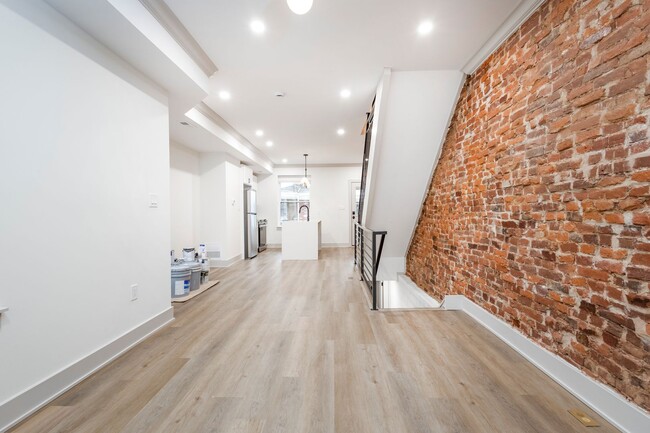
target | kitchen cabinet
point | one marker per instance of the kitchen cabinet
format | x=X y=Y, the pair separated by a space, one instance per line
x=247 y=175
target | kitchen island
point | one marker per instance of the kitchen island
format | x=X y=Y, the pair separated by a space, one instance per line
x=301 y=240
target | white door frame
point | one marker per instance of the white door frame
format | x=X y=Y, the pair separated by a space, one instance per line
x=352 y=186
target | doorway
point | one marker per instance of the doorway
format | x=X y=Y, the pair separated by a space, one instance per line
x=355 y=196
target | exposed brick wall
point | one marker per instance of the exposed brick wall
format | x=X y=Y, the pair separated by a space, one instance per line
x=538 y=209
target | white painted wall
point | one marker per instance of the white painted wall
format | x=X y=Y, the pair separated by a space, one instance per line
x=416 y=107
x=81 y=151
x=330 y=201
x=234 y=210
x=221 y=210
x=185 y=196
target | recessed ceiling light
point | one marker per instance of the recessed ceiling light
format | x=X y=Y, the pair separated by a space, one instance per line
x=284 y=160
x=345 y=93
x=225 y=95
x=269 y=143
x=425 y=28
x=340 y=131
x=300 y=7
x=259 y=133
x=258 y=27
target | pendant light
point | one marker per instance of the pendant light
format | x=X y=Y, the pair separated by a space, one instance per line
x=305 y=180
x=300 y=7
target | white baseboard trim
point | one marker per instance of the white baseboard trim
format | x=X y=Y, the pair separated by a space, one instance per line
x=332 y=245
x=215 y=263
x=623 y=414
x=20 y=407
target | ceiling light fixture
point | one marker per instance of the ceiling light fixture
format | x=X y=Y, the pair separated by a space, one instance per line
x=284 y=160
x=345 y=93
x=340 y=131
x=305 y=180
x=225 y=95
x=269 y=143
x=259 y=133
x=425 y=28
x=258 y=27
x=300 y=7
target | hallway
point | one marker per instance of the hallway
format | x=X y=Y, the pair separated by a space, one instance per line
x=293 y=347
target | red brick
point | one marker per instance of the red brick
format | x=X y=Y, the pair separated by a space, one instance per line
x=630 y=203
x=609 y=253
x=641 y=259
x=643 y=176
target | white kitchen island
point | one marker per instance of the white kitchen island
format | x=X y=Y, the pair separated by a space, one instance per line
x=301 y=240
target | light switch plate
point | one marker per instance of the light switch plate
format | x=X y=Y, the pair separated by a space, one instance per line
x=134 y=292
x=153 y=200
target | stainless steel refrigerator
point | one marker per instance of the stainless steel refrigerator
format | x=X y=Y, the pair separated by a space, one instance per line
x=250 y=223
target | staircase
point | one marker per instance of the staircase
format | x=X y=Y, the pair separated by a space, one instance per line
x=405 y=130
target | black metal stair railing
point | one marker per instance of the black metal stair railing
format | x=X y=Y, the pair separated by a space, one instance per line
x=368 y=245
x=370 y=117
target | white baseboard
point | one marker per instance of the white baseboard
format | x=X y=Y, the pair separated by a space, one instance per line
x=623 y=414
x=335 y=245
x=332 y=245
x=20 y=407
x=215 y=263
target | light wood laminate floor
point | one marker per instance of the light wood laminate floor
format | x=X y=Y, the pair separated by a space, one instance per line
x=293 y=347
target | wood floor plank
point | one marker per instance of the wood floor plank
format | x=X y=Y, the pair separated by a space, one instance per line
x=293 y=347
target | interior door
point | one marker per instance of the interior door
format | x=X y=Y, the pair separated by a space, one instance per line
x=355 y=195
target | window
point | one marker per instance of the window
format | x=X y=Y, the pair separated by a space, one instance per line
x=293 y=195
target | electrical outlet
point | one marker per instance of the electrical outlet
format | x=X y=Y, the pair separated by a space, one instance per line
x=134 y=292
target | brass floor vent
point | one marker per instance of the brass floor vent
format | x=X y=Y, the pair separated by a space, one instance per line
x=585 y=419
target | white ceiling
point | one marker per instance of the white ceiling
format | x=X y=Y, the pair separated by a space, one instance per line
x=338 y=44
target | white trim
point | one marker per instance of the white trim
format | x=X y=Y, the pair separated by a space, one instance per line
x=147 y=24
x=205 y=117
x=166 y=17
x=21 y=406
x=329 y=245
x=509 y=26
x=612 y=406
x=351 y=205
x=335 y=245
x=216 y=263
x=453 y=302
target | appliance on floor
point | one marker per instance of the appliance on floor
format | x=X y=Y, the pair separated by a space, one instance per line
x=261 y=230
x=250 y=222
